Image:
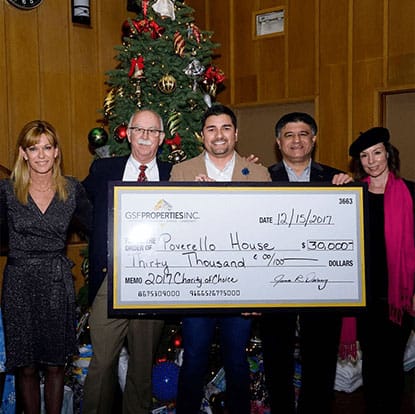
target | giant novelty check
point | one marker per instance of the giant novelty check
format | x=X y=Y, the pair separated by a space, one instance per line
x=194 y=247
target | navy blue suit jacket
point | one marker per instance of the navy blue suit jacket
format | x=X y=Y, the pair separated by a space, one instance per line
x=101 y=172
x=318 y=172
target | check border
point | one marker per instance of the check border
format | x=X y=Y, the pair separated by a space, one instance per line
x=119 y=308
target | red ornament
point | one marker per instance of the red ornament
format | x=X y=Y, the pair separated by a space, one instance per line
x=214 y=74
x=144 y=5
x=146 y=25
x=194 y=31
x=137 y=68
x=176 y=140
x=120 y=133
x=179 y=44
x=177 y=341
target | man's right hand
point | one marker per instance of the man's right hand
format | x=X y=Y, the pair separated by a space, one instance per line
x=342 y=178
x=253 y=158
x=203 y=177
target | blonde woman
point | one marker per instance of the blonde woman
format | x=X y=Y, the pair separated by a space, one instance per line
x=37 y=206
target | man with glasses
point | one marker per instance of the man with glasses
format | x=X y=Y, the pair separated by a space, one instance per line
x=145 y=135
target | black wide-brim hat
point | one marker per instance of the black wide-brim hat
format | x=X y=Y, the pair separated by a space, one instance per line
x=367 y=139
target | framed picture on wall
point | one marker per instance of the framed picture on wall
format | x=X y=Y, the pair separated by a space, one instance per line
x=268 y=22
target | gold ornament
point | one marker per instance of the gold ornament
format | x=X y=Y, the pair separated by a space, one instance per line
x=109 y=102
x=173 y=122
x=198 y=136
x=210 y=88
x=167 y=84
x=176 y=155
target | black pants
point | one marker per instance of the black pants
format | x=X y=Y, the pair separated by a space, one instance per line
x=319 y=342
x=383 y=346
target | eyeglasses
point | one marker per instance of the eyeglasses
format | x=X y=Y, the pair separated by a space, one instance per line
x=138 y=131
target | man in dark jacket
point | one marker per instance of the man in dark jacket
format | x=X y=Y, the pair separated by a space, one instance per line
x=145 y=134
x=319 y=331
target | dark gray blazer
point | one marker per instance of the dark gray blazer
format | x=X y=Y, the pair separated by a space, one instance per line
x=318 y=172
x=101 y=172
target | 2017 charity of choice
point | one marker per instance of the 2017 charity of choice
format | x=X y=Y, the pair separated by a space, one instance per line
x=242 y=266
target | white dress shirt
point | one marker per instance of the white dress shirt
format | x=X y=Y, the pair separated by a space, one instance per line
x=217 y=174
x=132 y=170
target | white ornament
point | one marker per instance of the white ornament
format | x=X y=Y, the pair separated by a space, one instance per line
x=207 y=99
x=165 y=8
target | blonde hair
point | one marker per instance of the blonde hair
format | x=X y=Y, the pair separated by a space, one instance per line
x=30 y=135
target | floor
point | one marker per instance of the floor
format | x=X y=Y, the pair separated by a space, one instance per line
x=353 y=403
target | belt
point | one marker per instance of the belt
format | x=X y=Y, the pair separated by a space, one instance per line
x=60 y=267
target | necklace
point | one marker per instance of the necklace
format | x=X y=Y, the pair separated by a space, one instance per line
x=41 y=190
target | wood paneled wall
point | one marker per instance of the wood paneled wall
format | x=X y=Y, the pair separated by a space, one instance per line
x=52 y=69
x=340 y=54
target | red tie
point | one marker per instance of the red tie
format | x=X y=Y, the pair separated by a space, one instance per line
x=142 y=176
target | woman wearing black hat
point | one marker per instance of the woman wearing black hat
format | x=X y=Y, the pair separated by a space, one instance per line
x=384 y=327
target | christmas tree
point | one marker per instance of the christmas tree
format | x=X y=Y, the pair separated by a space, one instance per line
x=165 y=64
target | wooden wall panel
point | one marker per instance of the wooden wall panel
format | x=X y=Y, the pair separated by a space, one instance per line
x=85 y=92
x=221 y=35
x=22 y=70
x=332 y=142
x=401 y=42
x=368 y=30
x=270 y=61
x=6 y=150
x=301 y=48
x=368 y=45
x=367 y=76
x=245 y=55
x=267 y=4
x=333 y=83
x=201 y=12
x=333 y=36
x=54 y=64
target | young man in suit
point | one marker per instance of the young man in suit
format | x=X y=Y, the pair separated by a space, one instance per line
x=219 y=162
x=145 y=135
x=319 y=330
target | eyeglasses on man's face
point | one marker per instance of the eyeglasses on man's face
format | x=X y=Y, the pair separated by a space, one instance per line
x=140 y=132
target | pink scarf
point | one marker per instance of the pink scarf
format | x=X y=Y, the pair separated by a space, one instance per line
x=400 y=247
x=400 y=254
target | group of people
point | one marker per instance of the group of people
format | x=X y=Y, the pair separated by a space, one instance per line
x=38 y=205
